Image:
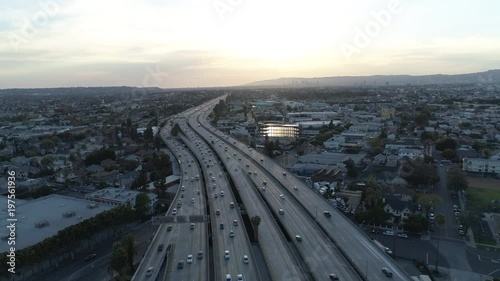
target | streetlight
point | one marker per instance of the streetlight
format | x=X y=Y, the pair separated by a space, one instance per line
x=395 y=227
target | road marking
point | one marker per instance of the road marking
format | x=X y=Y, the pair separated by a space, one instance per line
x=495 y=261
x=479 y=257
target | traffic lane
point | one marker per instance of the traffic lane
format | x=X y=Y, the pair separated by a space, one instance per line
x=313 y=202
x=321 y=257
x=450 y=229
x=280 y=257
x=484 y=262
x=271 y=239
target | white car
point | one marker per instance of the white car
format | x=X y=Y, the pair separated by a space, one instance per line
x=282 y=196
x=189 y=259
x=226 y=255
x=245 y=259
x=240 y=277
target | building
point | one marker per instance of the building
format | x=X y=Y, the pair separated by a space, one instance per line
x=279 y=130
x=397 y=208
x=481 y=165
x=411 y=153
x=43 y=217
x=387 y=112
x=119 y=196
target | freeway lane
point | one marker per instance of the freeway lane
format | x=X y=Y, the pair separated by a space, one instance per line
x=276 y=249
x=190 y=241
x=358 y=247
x=318 y=252
x=239 y=245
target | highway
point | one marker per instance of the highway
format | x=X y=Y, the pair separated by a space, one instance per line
x=282 y=264
x=320 y=255
x=239 y=245
x=183 y=240
x=357 y=247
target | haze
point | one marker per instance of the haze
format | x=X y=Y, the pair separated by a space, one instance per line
x=54 y=43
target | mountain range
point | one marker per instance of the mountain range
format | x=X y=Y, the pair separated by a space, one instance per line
x=486 y=77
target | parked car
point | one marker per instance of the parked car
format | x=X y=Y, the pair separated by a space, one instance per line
x=388 y=233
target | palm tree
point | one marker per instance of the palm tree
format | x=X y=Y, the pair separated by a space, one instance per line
x=440 y=220
x=255 y=221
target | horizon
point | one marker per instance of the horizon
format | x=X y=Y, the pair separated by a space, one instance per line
x=221 y=43
x=250 y=86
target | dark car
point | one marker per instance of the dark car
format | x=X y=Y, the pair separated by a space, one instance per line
x=180 y=265
x=160 y=247
x=327 y=214
x=91 y=256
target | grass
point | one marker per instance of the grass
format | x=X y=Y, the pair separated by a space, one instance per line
x=481 y=197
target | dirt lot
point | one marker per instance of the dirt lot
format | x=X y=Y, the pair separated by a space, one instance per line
x=484 y=183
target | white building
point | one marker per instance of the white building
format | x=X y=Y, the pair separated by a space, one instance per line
x=411 y=153
x=119 y=196
x=481 y=165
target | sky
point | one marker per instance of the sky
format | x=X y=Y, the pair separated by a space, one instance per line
x=205 y=43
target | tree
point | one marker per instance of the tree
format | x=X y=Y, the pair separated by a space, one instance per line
x=422 y=119
x=175 y=130
x=148 y=133
x=416 y=223
x=446 y=143
x=440 y=220
x=449 y=154
x=352 y=168
x=140 y=181
x=255 y=221
x=47 y=161
x=128 y=244
x=142 y=205
x=118 y=258
x=428 y=200
x=456 y=180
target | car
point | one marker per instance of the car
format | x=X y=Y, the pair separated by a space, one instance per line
x=388 y=251
x=387 y=272
x=402 y=235
x=191 y=226
x=149 y=271
x=455 y=206
x=221 y=226
x=461 y=232
x=461 y=227
x=179 y=205
x=174 y=211
x=281 y=212
x=457 y=214
x=222 y=194
x=298 y=238
x=160 y=247
x=231 y=233
x=263 y=188
x=327 y=214
x=239 y=277
x=183 y=188
x=295 y=187
x=214 y=185
x=90 y=257
x=228 y=277
x=182 y=195
x=231 y=205
x=264 y=182
x=226 y=255
x=284 y=174
x=200 y=255
x=245 y=259
x=333 y=277
x=180 y=264
x=388 y=233
x=235 y=222
x=282 y=196
x=216 y=195
x=192 y=200
x=189 y=259
x=169 y=228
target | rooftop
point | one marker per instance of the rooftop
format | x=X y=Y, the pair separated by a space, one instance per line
x=50 y=209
